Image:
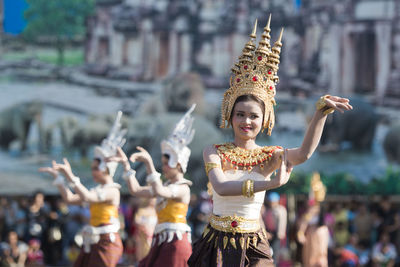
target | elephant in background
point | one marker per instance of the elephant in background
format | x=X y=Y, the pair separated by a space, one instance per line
x=391 y=144
x=357 y=126
x=178 y=94
x=16 y=122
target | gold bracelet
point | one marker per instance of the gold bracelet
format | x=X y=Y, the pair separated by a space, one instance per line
x=248 y=188
x=211 y=165
x=244 y=184
x=251 y=191
x=321 y=105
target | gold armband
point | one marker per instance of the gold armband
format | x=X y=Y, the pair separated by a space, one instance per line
x=248 y=188
x=321 y=105
x=211 y=165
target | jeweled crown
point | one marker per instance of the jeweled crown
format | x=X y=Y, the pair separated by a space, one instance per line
x=255 y=74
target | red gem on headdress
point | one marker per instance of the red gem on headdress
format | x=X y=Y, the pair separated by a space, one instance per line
x=259 y=58
x=255 y=78
x=271 y=87
x=269 y=72
x=237 y=80
x=234 y=224
x=245 y=67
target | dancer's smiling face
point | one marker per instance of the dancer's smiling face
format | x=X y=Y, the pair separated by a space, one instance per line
x=247 y=118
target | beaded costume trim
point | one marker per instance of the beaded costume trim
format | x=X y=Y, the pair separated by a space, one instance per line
x=247 y=159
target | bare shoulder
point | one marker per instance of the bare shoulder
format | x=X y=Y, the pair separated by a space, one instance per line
x=210 y=154
x=209 y=150
x=276 y=152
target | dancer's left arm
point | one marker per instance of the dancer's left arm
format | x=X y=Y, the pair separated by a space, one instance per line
x=153 y=177
x=107 y=194
x=312 y=137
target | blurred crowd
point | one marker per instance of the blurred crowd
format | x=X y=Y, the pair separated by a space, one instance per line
x=44 y=231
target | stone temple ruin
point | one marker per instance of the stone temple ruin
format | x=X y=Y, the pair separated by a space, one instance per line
x=341 y=47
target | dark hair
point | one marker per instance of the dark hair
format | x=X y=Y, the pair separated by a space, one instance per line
x=167 y=157
x=98 y=160
x=245 y=98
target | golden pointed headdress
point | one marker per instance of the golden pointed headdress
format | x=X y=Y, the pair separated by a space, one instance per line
x=255 y=74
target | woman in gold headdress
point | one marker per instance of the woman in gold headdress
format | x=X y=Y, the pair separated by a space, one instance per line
x=240 y=172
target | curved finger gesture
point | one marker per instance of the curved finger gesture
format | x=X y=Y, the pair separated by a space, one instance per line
x=50 y=170
x=338 y=103
x=120 y=157
x=65 y=168
x=142 y=156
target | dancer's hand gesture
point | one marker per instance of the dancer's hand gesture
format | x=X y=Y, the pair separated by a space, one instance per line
x=120 y=157
x=142 y=156
x=65 y=169
x=284 y=171
x=50 y=170
x=338 y=103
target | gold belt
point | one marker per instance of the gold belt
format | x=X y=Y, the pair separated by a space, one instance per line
x=234 y=224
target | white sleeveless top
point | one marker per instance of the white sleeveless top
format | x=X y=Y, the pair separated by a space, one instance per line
x=239 y=205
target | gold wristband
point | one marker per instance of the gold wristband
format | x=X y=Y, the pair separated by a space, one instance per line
x=321 y=105
x=211 y=165
x=248 y=188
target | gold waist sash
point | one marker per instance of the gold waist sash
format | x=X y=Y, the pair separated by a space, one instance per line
x=234 y=224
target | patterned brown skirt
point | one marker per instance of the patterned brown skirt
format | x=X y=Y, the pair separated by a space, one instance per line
x=168 y=254
x=103 y=253
x=224 y=249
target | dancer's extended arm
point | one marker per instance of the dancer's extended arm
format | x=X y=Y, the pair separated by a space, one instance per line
x=313 y=135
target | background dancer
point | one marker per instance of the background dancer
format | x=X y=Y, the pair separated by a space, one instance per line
x=102 y=244
x=172 y=240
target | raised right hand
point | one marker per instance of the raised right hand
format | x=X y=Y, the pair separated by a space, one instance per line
x=142 y=156
x=120 y=157
x=50 y=170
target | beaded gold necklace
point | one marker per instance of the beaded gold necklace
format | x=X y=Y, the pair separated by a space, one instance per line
x=247 y=159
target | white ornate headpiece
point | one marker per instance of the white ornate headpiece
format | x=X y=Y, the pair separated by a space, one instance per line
x=109 y=146
x=176 y=144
